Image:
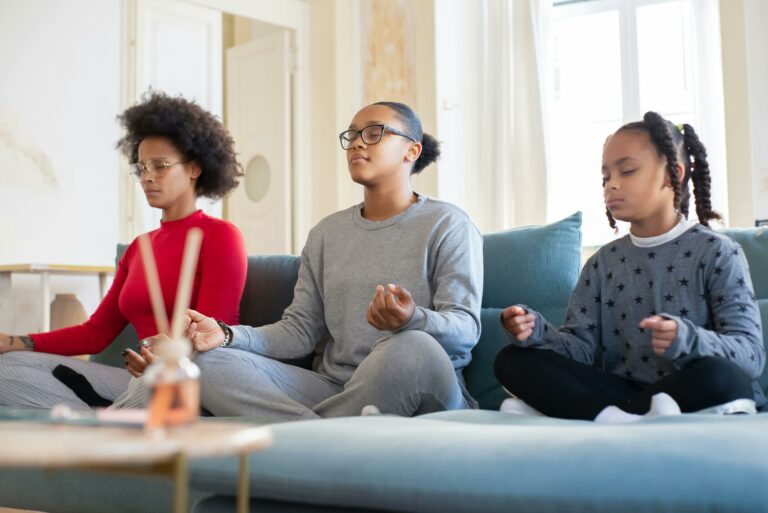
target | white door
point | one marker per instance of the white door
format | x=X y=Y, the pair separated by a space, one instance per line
x=178 y=51
x=258 y=110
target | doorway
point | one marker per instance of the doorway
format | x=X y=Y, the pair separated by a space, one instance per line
x=240 y=61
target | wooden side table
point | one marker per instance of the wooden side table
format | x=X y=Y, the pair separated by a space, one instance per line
x=130 y=450
x=45 y=271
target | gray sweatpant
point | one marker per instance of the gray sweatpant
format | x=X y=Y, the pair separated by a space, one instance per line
x=406 y=374
x=27 y=381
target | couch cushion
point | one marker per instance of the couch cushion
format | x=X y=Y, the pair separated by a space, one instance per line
x=534 y=265
x=754 y=242
x=763 y=305
x=268 y=289
x=492 y=462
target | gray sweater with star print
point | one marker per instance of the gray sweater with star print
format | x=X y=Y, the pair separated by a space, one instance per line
x=432 y=249
x=699 y=279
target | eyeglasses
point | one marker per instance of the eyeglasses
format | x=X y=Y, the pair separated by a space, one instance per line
x=156 y=167
x=371 y=134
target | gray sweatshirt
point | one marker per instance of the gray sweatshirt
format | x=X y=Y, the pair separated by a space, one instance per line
x=432 y=250
x=696 y=277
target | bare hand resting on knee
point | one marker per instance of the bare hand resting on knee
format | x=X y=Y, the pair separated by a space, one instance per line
x=204 y=332
x=390 y=308
x=518 y=322
x=137 y=361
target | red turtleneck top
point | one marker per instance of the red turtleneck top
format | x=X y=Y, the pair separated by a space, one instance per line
x=218 y=286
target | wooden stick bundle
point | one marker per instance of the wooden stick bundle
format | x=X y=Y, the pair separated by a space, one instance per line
x=184 y=290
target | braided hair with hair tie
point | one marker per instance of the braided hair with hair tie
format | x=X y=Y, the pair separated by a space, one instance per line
x=678 y=143
x=700 y=176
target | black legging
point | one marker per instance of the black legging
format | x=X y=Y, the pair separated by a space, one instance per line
x=560 y=387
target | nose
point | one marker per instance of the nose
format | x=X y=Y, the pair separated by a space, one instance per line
x=358 y=142
x=610 y=182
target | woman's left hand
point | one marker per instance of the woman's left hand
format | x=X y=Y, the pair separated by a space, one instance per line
x=390 y=308
x=136 y=363
x=663 y=332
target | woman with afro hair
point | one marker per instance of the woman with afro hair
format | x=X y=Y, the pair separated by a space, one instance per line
x=178 y=152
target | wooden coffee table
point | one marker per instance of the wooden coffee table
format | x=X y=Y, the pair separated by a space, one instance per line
x=129 y=450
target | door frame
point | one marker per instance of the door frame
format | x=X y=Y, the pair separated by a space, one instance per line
x=292 y=15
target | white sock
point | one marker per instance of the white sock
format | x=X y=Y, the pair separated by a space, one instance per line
x=615 y=415
x=517 y=406
x=370 y=409
x=737 y=406
x=661 y=404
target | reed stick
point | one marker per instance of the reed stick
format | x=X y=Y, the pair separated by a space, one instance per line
x=186 y=277
x=153 y=284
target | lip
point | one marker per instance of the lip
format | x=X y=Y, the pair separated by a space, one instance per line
x=151 y=192
x=612 y=203
x=357 y=157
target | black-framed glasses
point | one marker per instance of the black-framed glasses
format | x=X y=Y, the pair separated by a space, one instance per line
x=371 y=134
x=157 y=167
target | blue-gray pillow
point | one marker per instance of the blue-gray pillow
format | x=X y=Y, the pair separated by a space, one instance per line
x=534 y=265
x=754 y=242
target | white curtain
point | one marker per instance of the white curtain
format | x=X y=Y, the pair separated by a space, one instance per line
x=710 y=109
x=511 y=154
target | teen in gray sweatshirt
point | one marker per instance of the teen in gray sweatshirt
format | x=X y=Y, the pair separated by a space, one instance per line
x=392 y=286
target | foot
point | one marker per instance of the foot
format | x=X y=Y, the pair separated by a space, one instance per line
x=370 y=409
x=517 y=406
x=736 y=407
x=661 y=405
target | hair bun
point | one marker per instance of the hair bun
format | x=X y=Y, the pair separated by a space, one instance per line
x=430 y=152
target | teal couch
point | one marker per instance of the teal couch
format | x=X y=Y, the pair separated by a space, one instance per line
x=463 y=461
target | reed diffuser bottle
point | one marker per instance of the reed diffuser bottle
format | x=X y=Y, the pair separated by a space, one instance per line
x=175 y=386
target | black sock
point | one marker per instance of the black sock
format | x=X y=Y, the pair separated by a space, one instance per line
x=79 y=386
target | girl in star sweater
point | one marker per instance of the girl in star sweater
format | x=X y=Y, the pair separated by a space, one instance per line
x=662 y=320
x=178 y=153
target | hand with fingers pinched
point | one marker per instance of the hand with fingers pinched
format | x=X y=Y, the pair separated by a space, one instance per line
x=391 y=308
x=663 y=332
x=204 y=332
x=518 y=322
x=137 y=362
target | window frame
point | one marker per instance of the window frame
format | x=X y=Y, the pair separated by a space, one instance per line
x=708 y=95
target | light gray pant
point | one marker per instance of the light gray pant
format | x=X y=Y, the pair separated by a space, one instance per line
x=27 y=381
x=406 y=374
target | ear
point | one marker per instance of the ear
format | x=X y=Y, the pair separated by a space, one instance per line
x=194 y=170
x=413 y=153
x=680 y=174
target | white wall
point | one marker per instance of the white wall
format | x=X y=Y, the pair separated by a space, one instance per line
x=745 y=82
x=59 y=95
x=336 y=95
x=756 y=18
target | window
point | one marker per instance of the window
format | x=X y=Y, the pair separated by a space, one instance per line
x=611 y=61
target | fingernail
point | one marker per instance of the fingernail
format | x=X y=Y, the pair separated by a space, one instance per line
x=124 y=353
